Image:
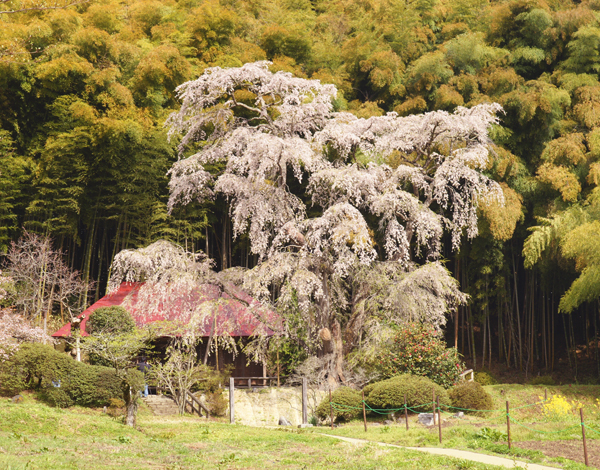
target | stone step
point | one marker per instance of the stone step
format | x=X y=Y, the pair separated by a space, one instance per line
x=161 y=405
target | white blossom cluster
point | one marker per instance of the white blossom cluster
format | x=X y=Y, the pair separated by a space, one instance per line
x=383 y=189
x=16 y=329
x=293 y=128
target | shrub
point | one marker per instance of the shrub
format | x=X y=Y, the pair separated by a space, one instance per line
x=348 y=401
x=38 y=366
x=471 y=396
x=389 y=394
x=369 y=388
x=542 y=380
x=485 y=378
x=116 y=407
x=216 y=403
x=34 y=365
x=57 y=397
x=114 y=319
x=419 y=349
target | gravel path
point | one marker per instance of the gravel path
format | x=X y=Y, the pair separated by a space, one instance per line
x=459 y=454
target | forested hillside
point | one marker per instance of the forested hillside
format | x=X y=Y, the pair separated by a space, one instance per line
x=85 y=91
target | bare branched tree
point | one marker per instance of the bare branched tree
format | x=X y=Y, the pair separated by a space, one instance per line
x=43 y=282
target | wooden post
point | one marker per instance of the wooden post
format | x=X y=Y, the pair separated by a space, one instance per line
x=508 y=423
x=330 y=410
x=405 y=412
x=433 y=398
x=304 y=401
x=278 y=368
x=585 y=456
x=231 y=410
x=545 y=394
x=364 y=411
x=439 y=418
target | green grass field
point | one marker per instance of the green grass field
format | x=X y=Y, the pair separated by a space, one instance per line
x=33 y=435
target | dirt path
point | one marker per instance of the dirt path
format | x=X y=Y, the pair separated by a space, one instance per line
x=459 y=454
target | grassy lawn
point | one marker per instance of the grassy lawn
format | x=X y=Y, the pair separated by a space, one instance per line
x=545 y=424
x=33 y=435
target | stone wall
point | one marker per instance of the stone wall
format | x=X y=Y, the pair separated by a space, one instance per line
x=264 y=406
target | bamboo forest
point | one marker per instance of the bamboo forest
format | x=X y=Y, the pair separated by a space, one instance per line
x=111 y=139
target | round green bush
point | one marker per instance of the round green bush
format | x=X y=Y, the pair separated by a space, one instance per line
x=114 y=319
x=485 y=378
x=347 y=405
x=389 y=394
x=470 y=396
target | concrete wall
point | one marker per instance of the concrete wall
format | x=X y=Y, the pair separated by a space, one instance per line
x=264 y=406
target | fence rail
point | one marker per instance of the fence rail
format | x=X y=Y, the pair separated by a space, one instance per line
x=251 y=382
x=190 y=400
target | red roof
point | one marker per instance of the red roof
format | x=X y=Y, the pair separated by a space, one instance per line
x=232 y=316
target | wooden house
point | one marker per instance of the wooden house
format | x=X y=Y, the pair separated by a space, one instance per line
x=231 y=317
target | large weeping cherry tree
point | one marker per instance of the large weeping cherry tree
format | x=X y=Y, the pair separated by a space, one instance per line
x=385 y=190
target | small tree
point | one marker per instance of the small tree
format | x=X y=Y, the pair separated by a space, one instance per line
x=121 y=350
x=180 y=372
x=413 y=348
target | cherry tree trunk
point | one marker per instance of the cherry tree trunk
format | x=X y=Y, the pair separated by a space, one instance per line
x=131 y=406
x=338 y=352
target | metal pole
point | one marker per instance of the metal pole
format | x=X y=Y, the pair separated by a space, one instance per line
x=231 y=410
x=439 y=418
x=364 y=411
x=405 y=412
x=585 y=456
x=330 y=409
x=433 y=399
x=508 y=423
x=304 y=401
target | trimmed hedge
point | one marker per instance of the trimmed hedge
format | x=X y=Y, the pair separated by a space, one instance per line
x=471 y=396
x=346 y=397
x=389 y=394
x=37 y=366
